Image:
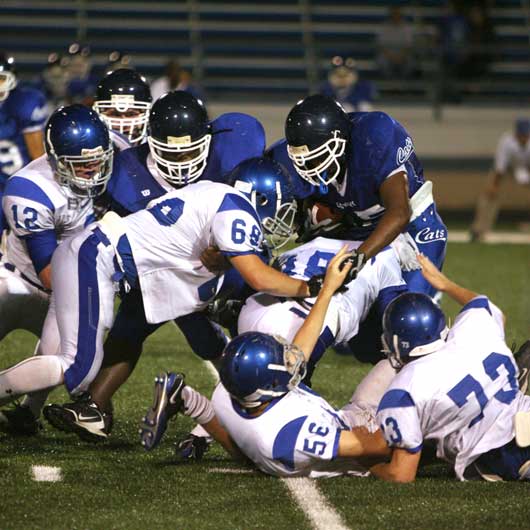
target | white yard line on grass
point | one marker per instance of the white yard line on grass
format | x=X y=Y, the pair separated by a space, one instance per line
x=314 y=505
x=46 y=473
x=511 y=238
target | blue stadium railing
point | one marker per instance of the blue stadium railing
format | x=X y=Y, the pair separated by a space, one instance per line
x=277 y=49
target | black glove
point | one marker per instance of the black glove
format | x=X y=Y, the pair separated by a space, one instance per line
x=315 y=284
x=358 y=259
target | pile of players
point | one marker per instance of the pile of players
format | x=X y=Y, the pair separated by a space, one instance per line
x=184 y=218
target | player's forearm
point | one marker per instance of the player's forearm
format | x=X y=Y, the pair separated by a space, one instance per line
x=263 y=278
x=402 y=467
x=360 y=443
x=393 y=222
x=308 y=334
x=388 y=473
x=459 y=294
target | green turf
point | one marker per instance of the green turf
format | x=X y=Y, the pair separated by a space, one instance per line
x=118 y=485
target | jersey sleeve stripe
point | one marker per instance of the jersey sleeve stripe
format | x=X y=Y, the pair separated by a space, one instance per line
x=396 y=398
x=26 y=189
x=414 y=450
x=335 y=453
x=233 y=201
x=235 y=253
x=479 y=302
x=285 y=442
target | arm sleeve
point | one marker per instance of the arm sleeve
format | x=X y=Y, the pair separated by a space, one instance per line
x=399 y=422
x=481 y=314
x=32 y=222
x=236 y=227
x=502 y=154
x=33 y=112
x=391 y=146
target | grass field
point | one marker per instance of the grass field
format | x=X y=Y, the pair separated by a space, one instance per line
x=118 y=485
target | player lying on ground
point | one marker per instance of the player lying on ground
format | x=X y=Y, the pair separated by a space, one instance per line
x=456 y=388
x=262 y=411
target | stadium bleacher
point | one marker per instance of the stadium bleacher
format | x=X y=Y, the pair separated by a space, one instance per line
x=277 y=49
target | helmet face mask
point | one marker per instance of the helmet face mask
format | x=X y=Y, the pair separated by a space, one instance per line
x=180 y=161
x=123 y=100
x=179 y=137
x=86 y=175
x=321 y=165
x=258 y=368
x=79 y=150
x=125 y=116
x=269 y=188
x=8 y=79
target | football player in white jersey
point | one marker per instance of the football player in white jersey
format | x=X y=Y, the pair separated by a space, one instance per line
x=45 y=203
x=158 y=251
x=262 y=410
x=456 y=388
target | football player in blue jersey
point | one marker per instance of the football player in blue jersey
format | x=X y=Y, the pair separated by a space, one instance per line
x=182 y=147
x=123 y=100
x=22 y=116
x=48 y=201
x=364 y=166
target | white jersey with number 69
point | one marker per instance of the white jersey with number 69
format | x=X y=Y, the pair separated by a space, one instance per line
x=169 y=236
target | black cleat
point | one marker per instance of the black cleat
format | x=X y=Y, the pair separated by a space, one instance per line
x=192 y=447
x=82 y=417
x=522 y=358
x=19 y=421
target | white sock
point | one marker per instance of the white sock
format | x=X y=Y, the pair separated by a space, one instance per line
x=197 y=406
x=30 y=375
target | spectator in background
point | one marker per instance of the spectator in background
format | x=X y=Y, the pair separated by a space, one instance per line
x=54 y=81
x=82 y=80
x=395 y=44
x=512 y=159
x=116 y=61
x=175 y=78
x=479 y=40
x=344 y=85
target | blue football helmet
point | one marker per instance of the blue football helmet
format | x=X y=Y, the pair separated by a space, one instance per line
x=179 y=137
x=8 y=79
x=413 y=325
x=269 y=188
x=123 y=100
x=317 y=131
x=256 y=368
x=79 y=150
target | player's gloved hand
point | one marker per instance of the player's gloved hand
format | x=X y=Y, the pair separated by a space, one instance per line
x=225 y=312
x=314 y=284
x=358 y=261
x=406 y=249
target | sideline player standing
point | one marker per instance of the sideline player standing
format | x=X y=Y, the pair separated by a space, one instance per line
x=511 y=159
x=456 y=387
x=22 y=115
x=364 y=165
